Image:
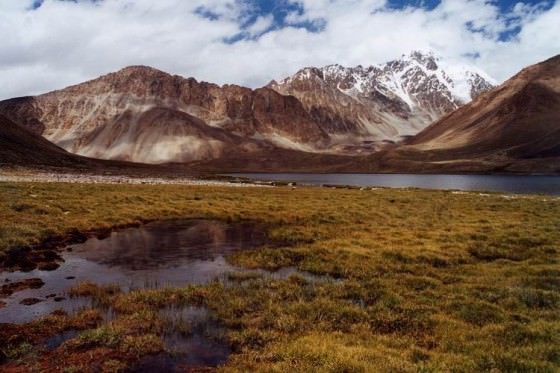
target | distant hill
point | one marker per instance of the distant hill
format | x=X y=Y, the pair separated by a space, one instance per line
x=141 y=114
x=23 y=148
x=519 y=119
x=512 y=128
x=365 y=108
x=146 y=116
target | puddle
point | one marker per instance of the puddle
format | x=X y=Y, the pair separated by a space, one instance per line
x=193 y=340
x=159 y=254
x=156 y=255
x=55 y=341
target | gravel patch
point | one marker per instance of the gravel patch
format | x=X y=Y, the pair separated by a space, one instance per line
x=45 y=177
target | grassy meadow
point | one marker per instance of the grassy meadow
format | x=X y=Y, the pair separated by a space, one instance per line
x=415 y=280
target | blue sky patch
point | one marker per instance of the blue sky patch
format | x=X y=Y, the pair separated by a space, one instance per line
x=37 y=4
x=207 y=13
x=278 y=9
x=402 y=4
x=504 y=5
x=281 y=9
x=507 y=5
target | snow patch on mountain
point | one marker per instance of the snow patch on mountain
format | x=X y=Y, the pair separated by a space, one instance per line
x=387 y=101
x=401 y=77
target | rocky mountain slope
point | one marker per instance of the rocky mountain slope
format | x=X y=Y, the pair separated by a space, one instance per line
x=22 y=148
x=366 y=107
x=513 y=128
x=141 y=114
x=521 y=118
x=19 y=146
x=144 y=115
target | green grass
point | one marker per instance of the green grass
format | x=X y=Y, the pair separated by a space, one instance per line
x=421 y=280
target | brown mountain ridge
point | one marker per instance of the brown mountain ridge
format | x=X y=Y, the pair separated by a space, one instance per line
x=513 y=128
x=144 y=115
x=141 y=114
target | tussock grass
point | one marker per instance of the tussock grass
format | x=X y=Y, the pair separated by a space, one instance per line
x=420 y=280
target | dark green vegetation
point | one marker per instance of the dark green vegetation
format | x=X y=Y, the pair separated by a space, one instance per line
x=422 y=280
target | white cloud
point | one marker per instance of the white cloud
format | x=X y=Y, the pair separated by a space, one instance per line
x=261 y=25
x=64 y=42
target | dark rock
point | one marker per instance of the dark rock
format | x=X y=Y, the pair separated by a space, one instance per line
x=48 y=266
x=77 y=236
x=59 y=299
x=9 y=289
x=27 y=265
x=102 y=234
x=50 y=255
x=44 y=256
x=35 y=283
x=30 y=301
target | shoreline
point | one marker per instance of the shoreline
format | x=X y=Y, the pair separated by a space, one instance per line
x=71 y=178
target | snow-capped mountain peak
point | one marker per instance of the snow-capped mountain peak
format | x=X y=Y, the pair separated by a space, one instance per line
x=387 y=101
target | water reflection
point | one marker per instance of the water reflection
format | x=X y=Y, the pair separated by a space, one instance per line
x=170 y=253
x=493 y=183
x=170 y=244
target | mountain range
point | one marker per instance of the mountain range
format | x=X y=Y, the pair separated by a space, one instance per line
x=364 y=108
x=514 y=127
x=418 y=113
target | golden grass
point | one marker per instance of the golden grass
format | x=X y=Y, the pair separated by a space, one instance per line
x=426 y=280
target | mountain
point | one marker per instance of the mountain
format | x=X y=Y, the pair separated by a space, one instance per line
x=142 y=114
x=19 y=146
x=363 y=108
x=22 y=148
x=513 y=128
x=521 y=117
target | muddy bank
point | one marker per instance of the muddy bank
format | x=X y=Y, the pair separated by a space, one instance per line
x=10 y=288
x=45 y=255
x=49 y=311
x=154 y=255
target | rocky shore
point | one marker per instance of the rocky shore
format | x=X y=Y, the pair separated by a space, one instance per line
x=53 y=177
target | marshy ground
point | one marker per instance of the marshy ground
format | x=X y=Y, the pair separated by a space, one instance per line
x=410 y=280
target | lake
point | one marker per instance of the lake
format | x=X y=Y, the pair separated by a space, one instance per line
x=489 y=183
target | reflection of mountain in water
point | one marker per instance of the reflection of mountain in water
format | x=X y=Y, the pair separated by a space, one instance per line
x=170 y=253
x=171 y=243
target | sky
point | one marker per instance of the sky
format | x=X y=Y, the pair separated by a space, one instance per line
x=50 y=44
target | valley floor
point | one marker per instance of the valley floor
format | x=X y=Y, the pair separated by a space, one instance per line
x=418 y=280
x=22 y=176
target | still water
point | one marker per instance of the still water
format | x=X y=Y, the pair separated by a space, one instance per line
x=169 y=253
x=159 y=254
x=155 y=255
x=489 y=183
